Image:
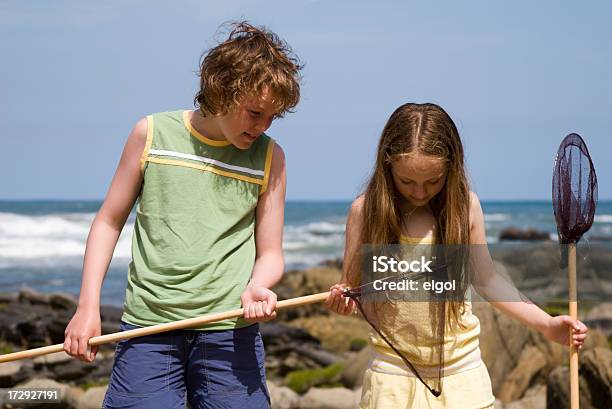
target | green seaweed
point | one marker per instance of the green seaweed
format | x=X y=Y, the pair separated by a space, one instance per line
x=5 y=346
x=94 y=383
x=357 y=344
x=302 y=380
x=555 y=308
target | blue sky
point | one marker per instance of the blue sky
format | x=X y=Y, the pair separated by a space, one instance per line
x=515 y=76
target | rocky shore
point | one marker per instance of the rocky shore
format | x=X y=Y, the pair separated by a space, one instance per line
x=315 y=359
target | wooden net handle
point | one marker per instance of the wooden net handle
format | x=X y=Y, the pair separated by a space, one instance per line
x=573 y=312
x=156 y=329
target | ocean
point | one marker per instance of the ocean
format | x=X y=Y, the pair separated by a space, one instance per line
x=42 y=242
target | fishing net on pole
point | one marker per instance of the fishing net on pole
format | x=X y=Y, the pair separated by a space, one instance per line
x=574 y=192
x=410 y=323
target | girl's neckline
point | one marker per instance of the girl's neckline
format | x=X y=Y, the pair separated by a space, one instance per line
x=413 y=240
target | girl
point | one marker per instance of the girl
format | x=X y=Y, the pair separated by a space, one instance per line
x=419 y=193
x=210 y=186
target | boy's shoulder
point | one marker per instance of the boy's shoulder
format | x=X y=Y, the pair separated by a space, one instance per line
x=171 y=121
x=174 y=113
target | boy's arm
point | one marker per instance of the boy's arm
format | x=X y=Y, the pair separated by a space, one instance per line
x=500 y=292
x=101 y=242
x=258 y=300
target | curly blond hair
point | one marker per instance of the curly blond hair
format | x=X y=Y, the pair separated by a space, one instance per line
x=251 y=61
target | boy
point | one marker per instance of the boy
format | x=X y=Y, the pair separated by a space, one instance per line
x=207 y=236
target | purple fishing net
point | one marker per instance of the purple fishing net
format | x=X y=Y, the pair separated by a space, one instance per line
x=574 y=192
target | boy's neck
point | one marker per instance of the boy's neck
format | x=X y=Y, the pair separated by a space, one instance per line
x=206 y=125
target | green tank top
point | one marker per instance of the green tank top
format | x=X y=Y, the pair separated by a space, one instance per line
x=193 y=247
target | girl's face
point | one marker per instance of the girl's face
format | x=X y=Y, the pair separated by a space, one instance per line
x=418 y=177
x=248 y=120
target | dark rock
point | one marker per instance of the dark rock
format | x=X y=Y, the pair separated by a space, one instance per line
x=63 y=301
x=596 y=369
x=23 y=324
x=72 y=369
x=600 y=317
x=57 y=326
x=513 y=233
x=602 y=324
x=275 y=333
x=339 y=333
x=51 y=360
x=595 y=339
x=28 y=322
x=289 y=349
x=6 y=298
x=33 y=333
x=32 y=296
x=557 y=391
x=62 y=367
x=110 y=327
x=111 y=313
x=11 y=373
x=318 y=355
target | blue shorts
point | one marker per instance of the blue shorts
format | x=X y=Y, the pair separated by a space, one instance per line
x=210 y=369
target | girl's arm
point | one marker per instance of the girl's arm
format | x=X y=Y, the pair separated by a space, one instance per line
x=258 y=301
x=498 y=291
x=336 y=302
x=101 y=242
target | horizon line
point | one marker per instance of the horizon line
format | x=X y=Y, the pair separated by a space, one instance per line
x=302 y=200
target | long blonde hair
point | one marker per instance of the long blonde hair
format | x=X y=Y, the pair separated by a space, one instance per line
x=426 y=129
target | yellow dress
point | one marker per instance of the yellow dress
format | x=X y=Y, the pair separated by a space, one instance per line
x=389 y=384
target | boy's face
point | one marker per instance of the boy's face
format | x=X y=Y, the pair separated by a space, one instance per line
x=243 y=124
x=418 y=177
